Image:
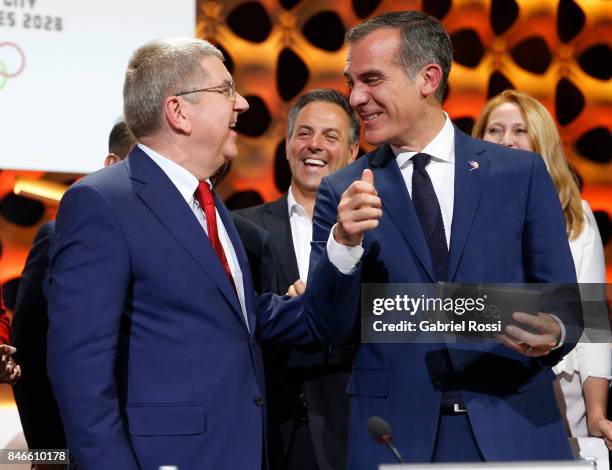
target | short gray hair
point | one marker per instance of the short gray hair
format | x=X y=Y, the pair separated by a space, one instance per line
x=423 y=41
x=326 y=95
x=157 y=70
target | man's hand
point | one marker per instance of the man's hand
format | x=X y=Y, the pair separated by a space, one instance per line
x=546 y=337
x=297 y=288
x=9 y=370
x=359 y=211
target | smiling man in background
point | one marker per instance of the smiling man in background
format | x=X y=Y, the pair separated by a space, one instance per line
x=308 y=404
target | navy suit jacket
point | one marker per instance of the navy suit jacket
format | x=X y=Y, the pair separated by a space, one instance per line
x=507 y=227
x=35 y=401
x=307 y=380
x=149 y=354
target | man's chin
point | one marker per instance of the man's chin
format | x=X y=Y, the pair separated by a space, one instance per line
x=374 y=138
x=230 y=155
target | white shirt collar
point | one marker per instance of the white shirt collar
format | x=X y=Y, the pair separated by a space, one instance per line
x=293 y=205
x=440 y=148
x=184 y=180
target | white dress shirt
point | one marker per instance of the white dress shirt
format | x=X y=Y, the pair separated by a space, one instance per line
x=187 y=184
x=441 y=170
x=301 y=233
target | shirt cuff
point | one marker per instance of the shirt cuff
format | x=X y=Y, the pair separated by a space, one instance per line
x=562 y=337
x=344 y=258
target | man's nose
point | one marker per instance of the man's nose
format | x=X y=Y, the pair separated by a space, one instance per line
x=315 y=142
x=358 y=97
x=240 y=103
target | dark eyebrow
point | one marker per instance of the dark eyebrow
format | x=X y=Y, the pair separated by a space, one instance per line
x=331 y=129
x=365 y=75
x=370 y=74
x=325 y=131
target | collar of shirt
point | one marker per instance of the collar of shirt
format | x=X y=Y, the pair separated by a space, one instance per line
x=187 y=183
x=184 y=181
x=441 y=147
x=293 y=206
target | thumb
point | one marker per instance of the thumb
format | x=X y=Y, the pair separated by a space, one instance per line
x=367 y=176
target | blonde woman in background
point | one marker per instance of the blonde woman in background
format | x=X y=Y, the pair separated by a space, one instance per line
x=517 y=120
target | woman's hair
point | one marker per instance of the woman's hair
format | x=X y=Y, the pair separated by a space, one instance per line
x=545 y=140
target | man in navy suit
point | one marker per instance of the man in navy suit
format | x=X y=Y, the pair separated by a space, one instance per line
x=154 y=324
x=432 y=204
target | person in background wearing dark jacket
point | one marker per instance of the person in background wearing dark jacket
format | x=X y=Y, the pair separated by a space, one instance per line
x=308 y=406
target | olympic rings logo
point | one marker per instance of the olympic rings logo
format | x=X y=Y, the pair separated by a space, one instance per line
x=12 y=62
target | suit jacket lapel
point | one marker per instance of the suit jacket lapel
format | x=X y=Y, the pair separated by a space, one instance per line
x=471 y=170
x=397 y=203
x=276 y=220
x=247 y=279
x=163 y=199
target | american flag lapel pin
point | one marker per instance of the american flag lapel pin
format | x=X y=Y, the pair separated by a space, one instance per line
x=473 y=165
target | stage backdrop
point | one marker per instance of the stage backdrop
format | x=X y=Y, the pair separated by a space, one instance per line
x=558 y=51
x=61 y=73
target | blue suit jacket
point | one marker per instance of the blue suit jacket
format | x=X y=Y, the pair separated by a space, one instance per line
x=507 y=227
x=148 y=351
x=38 y=412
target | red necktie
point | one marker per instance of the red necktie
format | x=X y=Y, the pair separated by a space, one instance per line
x=207 y=202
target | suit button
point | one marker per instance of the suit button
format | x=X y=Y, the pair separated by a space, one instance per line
x=259 y=401
x=302 y=399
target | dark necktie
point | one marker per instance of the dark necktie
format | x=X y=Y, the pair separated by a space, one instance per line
x=207 y=202
x=428 y=210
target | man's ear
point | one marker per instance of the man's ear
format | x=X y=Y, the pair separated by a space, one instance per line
x=354 y=149
x=177 y=119
x=432 y=77
x=111 y=159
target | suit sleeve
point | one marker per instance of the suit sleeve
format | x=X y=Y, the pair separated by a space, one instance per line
x=331 y=302
x=548 y=258
x=35 y=401
x=89 y=278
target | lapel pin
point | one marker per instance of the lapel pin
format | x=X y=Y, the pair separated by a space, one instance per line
x=473 y=165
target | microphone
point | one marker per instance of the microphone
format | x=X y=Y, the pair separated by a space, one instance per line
x=380 y=431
